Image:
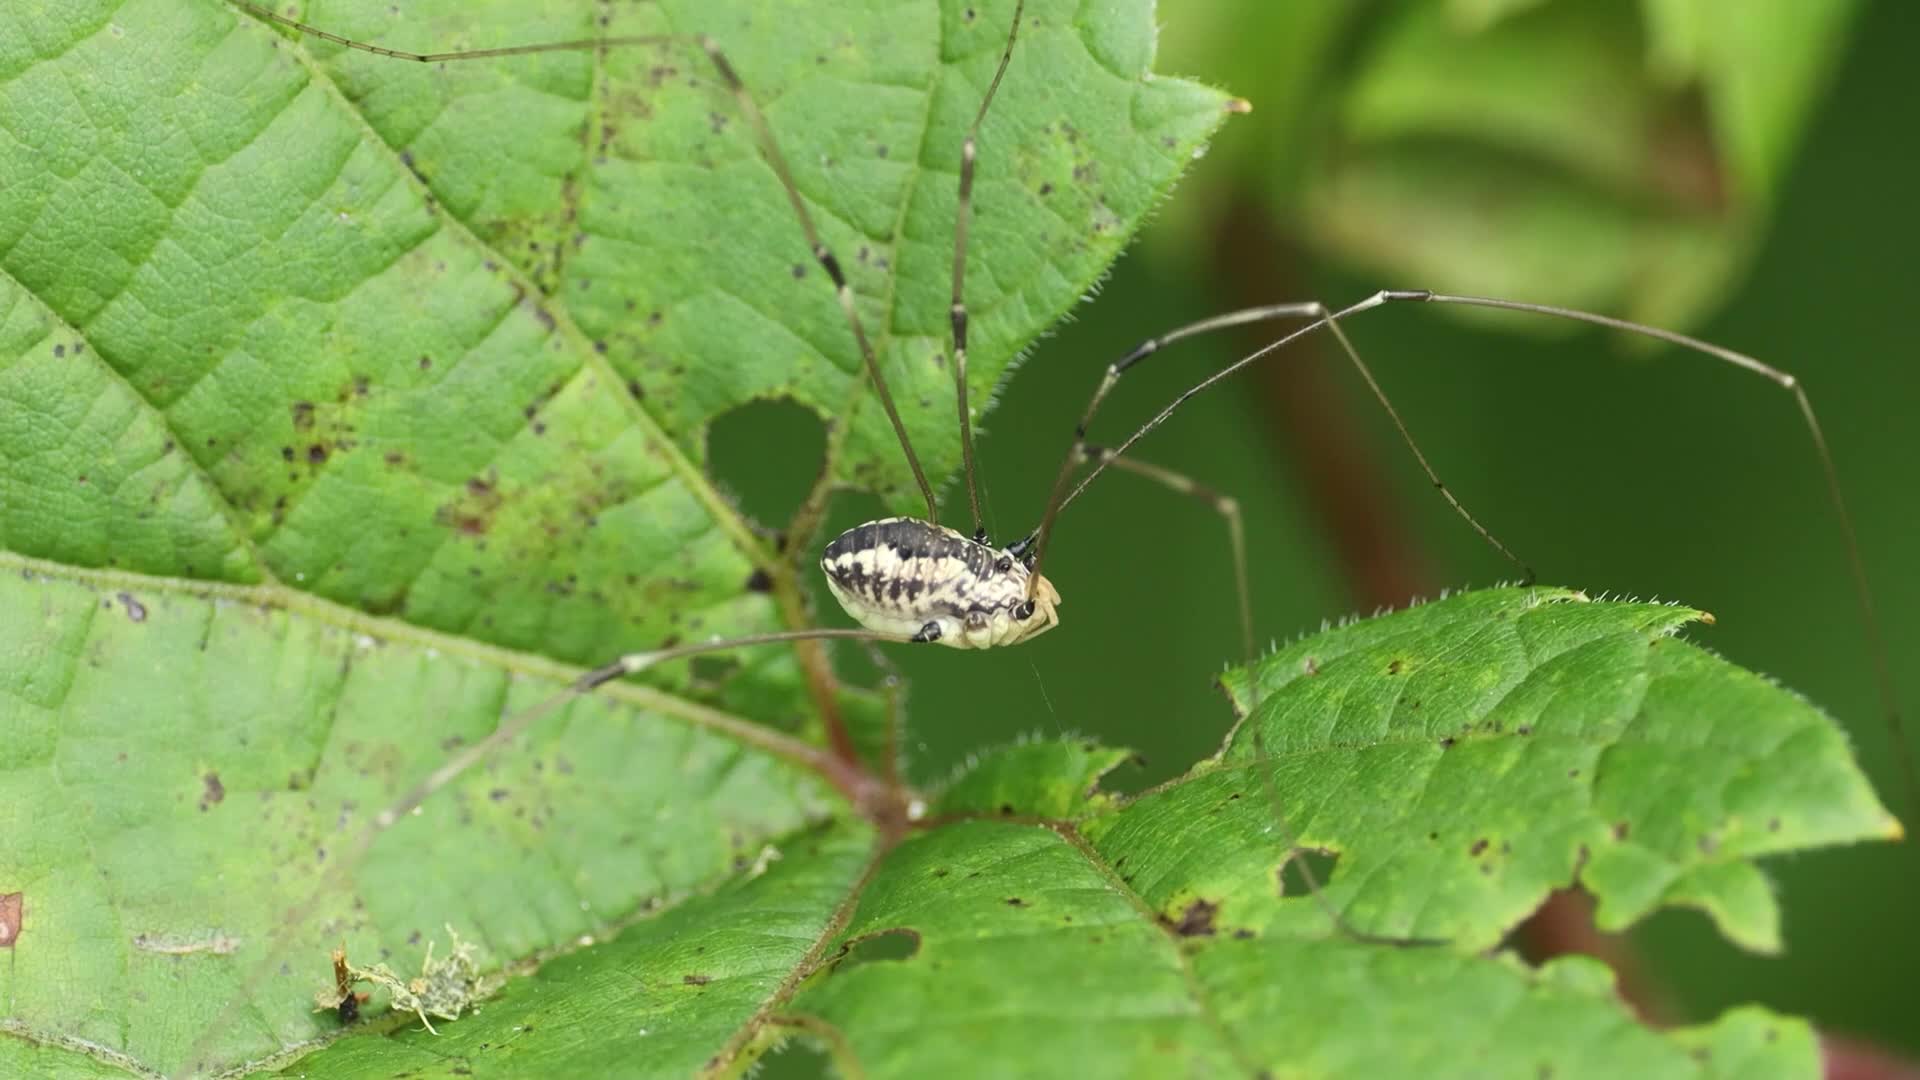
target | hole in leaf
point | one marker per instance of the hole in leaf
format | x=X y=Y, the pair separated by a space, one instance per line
x=767 y=455
x=895 y=945
x=1291 y=879
x=799 y=1055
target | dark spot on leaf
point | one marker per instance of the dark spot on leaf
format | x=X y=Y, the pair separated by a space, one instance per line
x=13 y=907
x=1620 y=830
x=1523 y=729
x=941 y=872
x=59 y=351
x=316 y=454
x=799 y=271
x=1394 y=667
x=286 y=453
x=759 y=582
x=1006 y=809
x=1196 y=920
x=1773 y=824
x=349 y=1008
x=1242 y=934
x=1014 y=901
x=1046 y=189
x=1573 y=773
x=135 y=609
x=425 y=362
x=302 y=415
x=212 y=790
x=633 y=389
x=696 y=980
x=1446 y=742
x=1479 y=846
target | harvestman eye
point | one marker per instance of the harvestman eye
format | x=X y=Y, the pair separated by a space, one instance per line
x=906 y=579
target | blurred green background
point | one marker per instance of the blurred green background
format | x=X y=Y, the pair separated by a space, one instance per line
x=1744 y=172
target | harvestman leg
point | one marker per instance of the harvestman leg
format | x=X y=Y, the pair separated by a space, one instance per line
x=843 y=292
x=958 y=311
x=1311 y=309
x=1225 y=505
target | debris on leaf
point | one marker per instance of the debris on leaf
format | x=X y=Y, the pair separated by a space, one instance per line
x=443 y=989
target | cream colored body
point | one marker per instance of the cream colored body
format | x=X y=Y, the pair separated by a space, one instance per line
x=924 y=582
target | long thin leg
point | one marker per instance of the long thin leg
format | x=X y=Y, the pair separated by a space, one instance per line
x=1225 y=505
x=1229 y=509
x=843 y=292
x=1076 y=454
x=958 y=310
x=630 y=664
x=1058 y=499
x=1863 y=593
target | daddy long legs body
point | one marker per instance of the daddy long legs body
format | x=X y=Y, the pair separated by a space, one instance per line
x=974 y=590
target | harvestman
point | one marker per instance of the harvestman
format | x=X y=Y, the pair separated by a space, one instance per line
x=915 y=580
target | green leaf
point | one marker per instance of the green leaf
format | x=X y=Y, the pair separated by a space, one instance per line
x=339 y=426
x=1150 y=936
x=344 y=396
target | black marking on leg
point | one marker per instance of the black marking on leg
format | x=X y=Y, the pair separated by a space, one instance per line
x=1140 y=352
x=832 y=265
x=1024 y=611
x=929 y=632
x=1022 y=549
